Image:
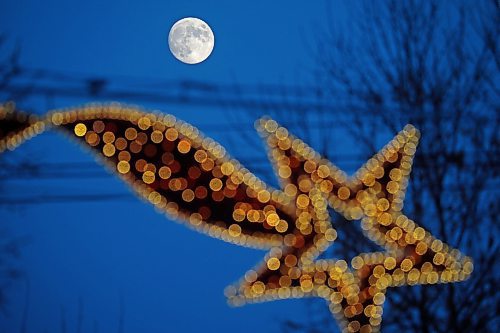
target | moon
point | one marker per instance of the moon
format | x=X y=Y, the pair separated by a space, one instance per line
x=191 y=40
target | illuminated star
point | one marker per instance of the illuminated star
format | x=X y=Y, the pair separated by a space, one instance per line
x=191 y=178
x=374 y=194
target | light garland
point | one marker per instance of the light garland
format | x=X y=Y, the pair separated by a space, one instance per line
x=191 y=178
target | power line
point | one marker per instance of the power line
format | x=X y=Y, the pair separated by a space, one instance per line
x=258 y=97
x=59 y=171
x=81 y=198
x=43 y=199
x=49 y=84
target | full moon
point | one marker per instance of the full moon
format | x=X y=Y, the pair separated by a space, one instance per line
x=191 y=40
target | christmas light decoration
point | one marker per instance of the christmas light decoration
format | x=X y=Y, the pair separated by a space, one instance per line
x=191 y=178
x=375 y=194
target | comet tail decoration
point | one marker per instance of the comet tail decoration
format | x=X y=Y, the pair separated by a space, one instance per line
x=191 y=178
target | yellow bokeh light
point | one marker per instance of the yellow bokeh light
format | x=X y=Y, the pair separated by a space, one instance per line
x=148 y=177
x=123 y=167
x=80 y=129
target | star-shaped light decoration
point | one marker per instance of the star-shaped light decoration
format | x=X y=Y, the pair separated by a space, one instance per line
x=375 y=195
x=191 y=178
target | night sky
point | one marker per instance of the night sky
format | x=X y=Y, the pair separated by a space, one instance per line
x=96 y=258
x=119 y=258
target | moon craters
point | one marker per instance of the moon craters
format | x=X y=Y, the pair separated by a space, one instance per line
x=191 y=40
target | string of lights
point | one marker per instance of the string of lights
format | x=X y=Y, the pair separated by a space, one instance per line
x=192 y=179
x=375 y=195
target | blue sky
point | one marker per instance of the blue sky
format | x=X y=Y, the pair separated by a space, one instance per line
x=168 y=278
x=256 y=41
